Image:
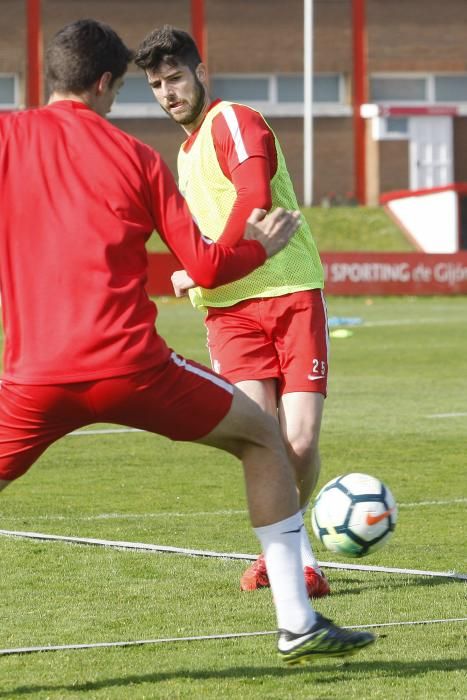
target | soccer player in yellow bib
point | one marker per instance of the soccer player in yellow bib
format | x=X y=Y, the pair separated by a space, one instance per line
x=267 y=332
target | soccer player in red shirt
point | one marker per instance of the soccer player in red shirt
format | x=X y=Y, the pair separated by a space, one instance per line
x=267 y=332
x=79 y=199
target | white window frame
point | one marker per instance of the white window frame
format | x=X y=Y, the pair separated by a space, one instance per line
x=455 y=74
x=260 y=105
x=16 y=92
x=380 y=132
x=270 y=107
x=403 y=76
x=274 y=108
x=295 y=109
x=131 y=110
x=430 y=88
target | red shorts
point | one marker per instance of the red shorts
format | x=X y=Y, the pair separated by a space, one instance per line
x=179 y=399
x=284 y=337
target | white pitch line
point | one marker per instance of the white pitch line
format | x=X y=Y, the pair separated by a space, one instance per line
x=138 y=516
x=394 y=570
x=142 y=546
x=447 y=415
x=200 y=513
x=137 y=546
x=411 y=322
x=199 y=638
x=449 y=502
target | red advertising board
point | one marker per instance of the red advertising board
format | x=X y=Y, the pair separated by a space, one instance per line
x=359 y=274
x=395 y=273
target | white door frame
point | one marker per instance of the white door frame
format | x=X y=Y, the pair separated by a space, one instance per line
x=431 y=151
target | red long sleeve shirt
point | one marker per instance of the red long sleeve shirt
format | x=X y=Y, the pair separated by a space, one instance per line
x=78 y=200
x=250 y=172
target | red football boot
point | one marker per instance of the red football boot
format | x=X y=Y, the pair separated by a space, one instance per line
x=316 y=583
x=256 y=576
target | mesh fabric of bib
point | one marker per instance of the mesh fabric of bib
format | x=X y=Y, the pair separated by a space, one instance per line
x=211 y=196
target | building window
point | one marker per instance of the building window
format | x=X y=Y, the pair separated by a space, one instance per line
x=273 y=95
x=398 y=89
x=135 y=90
x=418 y=89
x=451 y=88
x=8 y=92
x=241 y=89
x=397 y=126
x=285 y=89
x=390 y=128
x=135 y=99
x=326 y=88
x=282 y=95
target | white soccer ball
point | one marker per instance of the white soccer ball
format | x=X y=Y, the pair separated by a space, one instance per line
x=354 y=515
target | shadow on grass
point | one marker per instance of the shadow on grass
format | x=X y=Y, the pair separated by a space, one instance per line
x=352 y=586
x=333 y=673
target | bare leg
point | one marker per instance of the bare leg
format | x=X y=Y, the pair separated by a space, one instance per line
x=300 y=416
x=263 y=392
x=253 y=436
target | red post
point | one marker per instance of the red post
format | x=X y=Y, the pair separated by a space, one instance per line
x=198 y=27
x=360 y=95
x=34 y=53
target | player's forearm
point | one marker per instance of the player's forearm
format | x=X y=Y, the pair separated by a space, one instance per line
x=271 y=231
x=217 y=264
x=251 y=180
x=241 y=210
x=221 y=264
x=208 y=264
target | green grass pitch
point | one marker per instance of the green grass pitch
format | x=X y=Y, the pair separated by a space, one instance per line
x=397 y=409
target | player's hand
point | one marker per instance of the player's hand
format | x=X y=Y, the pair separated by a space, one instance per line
x=181 y=282
x=272 y=230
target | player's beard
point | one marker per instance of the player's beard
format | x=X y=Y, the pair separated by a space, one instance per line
x=199 y=99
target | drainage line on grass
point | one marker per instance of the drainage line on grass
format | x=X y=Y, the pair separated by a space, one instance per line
x=207 y=637
x=143 y=547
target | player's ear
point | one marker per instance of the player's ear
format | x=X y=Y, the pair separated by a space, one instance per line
x=102 y=85
x=202 y=73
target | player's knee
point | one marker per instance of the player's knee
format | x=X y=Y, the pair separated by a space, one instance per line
x=246 y=426
x=303 y=446
x=266 y=433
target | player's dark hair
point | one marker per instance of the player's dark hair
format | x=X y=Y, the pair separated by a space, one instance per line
x=167 y=45
x=81 y=52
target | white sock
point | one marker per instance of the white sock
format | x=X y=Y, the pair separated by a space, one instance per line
x=280 y=543
x=308 y=556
